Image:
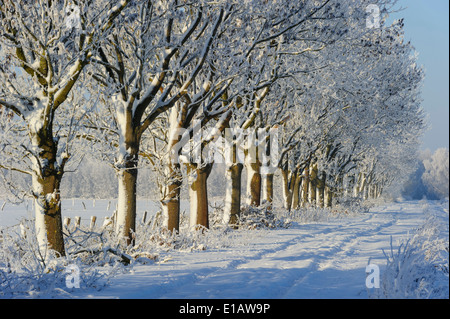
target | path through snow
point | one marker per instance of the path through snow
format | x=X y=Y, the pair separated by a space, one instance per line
x=319 y=260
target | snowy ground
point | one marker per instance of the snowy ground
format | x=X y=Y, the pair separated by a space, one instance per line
x=324 y=259
x=85 y=208
x=315 y=260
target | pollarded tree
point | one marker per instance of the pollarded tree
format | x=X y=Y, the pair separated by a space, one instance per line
x=318 y=39
x=151 y=60
x=47 y=51
x=292 y=30
x=372 y=104
x=239 y=70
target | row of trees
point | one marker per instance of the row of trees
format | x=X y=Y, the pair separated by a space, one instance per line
x=431 y=179
x=311 y=88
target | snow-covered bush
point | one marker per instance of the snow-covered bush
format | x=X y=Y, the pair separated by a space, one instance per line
x=311 y=215
x=261 y=217
x=154 y=238
x=351 y=205
x=419 y=268
x=28 y=271
x=99 y=253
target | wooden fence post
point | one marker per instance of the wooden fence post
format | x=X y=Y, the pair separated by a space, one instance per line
x=93 y=220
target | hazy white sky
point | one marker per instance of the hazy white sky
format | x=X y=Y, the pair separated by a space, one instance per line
x=427 y=27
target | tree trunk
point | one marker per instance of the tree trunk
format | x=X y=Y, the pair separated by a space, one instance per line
x=48 y=219
x=296 y=192
x=170 y=204
x=253 y=184
x=329 y=197
x=170 y=197
x=253 y=166
x=198 y=194
x=126 y=206
x=46 y=181
x=305 y=185
x=320 y=196
x=312 y=184
x=267 y=186
x=377 y=191
x=287 y=189
x=362 y=187
x=232 y=208
x=321 y=190
x=233 y=175
x=127 y=172
x=269 y=143
x=356 y=186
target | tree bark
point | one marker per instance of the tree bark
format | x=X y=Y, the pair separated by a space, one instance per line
x=46 y=181
x=253 y=181
x=287 y=191
x=198 y=194
x=126 y=207
x=232 y=208
x=268 y=143
x=127 y=172
x=296 y=192
x=253 y=166
x=48 y=219
x=312 y=184
x=267 y=186
x=170 y=201
x=321 y=190
x=329 y=197
x=305 y=184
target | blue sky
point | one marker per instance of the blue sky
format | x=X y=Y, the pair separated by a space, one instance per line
x=427 y=27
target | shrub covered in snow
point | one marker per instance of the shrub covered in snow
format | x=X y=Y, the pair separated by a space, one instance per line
x=27 y=270
x=261 y=217
x=419 y=268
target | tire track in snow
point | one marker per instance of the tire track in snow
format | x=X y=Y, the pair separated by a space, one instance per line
x=307 y=258
x=175 y=286
x=316 y=260
x=346 y=249
x=308 y=262
x=202 y=278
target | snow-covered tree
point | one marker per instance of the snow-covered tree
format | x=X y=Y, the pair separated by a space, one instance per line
x=151 y=60
x=364 y=102
x=43 y=53
x=436 y=173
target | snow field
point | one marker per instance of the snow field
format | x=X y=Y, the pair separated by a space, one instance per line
x=85 y=208
x=316 y=258
x=319 y=260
